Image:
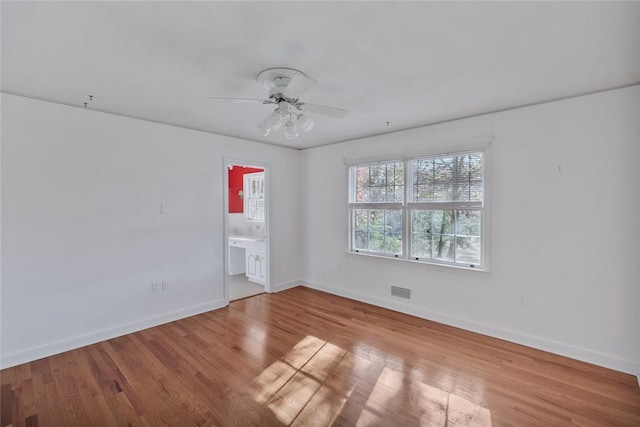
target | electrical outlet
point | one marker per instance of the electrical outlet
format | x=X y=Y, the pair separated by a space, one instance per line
x=165 y=285
x=155 y=287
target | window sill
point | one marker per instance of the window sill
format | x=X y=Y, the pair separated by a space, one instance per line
x=444 y=267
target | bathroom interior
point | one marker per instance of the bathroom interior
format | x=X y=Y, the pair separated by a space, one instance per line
x=247 y=268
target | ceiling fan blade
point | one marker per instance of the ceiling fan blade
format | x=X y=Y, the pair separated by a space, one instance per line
x=261 y=101
x=298 y=85
x=337 y=113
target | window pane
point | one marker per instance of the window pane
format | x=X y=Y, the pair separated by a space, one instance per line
x=420 y=245
x=421 y=234
x=423 y=170
x=476 y=176
x=441 y=222
x=360 y=240
x=447 y=235
x=398 y=174
x=449 y=178
x=393 y=244
x=377 y=175
x=390 y=194
x=361 y=219
x=376 y=220
x=468 y=250
x=376 y=241
x=443 y=247
x=393 y=230
x=468 y=223
x=442 y=180
x=378 y=230
x=379 y=183
x=362 y=176
x=421 y=221
x=362 y=194
x=399 y=193
x=376 y=194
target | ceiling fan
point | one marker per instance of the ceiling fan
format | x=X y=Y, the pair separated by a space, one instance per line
x=285 y=85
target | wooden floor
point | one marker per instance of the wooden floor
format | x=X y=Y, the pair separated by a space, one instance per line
x=303 y=357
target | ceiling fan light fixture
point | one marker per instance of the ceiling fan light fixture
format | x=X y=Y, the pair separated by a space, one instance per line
x=274 y=120
x=284 y=107
x=290 y=130
x=265 y=126
x=285 y=86
x=306 y=122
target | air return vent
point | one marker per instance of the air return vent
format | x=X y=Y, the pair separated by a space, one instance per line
x=397 y=291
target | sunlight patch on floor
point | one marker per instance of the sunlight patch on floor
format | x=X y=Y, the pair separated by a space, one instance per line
x=310 y=385
x=436 y=406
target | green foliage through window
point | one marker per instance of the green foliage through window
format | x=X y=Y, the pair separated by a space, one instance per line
x=378 y=230
x=441 y=197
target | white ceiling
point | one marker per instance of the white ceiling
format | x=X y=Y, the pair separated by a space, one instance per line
x=403 y=63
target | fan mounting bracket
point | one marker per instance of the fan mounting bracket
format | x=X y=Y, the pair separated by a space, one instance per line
x=273 y=78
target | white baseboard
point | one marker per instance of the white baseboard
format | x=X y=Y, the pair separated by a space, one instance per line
x=284 y=286
x=56 y=347
x=585 y=355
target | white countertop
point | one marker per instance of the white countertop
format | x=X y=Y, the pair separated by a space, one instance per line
x=252 y=243
x=246 y=238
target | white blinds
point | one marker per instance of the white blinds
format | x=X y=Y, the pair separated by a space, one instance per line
x=449 y=178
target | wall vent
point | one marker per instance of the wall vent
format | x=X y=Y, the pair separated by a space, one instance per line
x=397 y=291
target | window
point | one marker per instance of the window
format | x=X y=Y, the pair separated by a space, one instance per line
x=427 y=209
x=377 y=208
x=253 y=190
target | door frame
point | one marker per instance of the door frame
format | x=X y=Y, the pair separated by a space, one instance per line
x=225 y=218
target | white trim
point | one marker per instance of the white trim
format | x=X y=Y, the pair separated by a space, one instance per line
x=287 y=285
x=374 y=160
x=461 y=146
x=573 y=352
x=443 y=205
x=442 y=265
x=144 y=119
x=483 y=114
x=67 y=344
x=377 y=205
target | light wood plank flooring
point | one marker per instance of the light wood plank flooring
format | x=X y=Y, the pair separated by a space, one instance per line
x=303 y=357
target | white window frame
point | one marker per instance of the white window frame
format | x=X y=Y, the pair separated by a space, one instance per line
x=373 y=205
x=247 y=197
x=408 y=207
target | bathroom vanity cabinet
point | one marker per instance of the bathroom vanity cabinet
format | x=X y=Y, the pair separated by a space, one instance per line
x=248 y=255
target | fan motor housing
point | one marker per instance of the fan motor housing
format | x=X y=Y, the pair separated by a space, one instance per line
x=277 y=78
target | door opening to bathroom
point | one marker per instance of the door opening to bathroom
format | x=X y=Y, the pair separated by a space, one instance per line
x=246 y=226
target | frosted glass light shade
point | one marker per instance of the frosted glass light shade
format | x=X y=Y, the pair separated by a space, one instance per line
x=290 y=130
x=274 y=121
x=265 y=126
x=306 y=122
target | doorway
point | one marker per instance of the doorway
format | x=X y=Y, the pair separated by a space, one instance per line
x=246 y=229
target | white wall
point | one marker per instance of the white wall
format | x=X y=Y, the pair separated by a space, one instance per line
x=565 y=233
x=82 y=237
x=82 y=233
